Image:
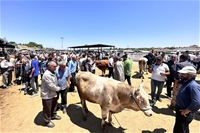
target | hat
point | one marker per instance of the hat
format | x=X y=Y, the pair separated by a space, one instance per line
x=116 y=57
x=159 y=57
x=188 y=69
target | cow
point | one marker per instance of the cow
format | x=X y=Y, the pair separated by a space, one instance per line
x=142 y=66
x=102 y=65
x=113 y=96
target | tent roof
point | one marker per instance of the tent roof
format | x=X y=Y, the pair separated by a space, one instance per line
x=92 y=46
x=6 y=45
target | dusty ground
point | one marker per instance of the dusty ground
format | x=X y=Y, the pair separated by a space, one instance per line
x=20 y=113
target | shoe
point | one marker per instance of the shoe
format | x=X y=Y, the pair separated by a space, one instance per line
x=56 y=117
x=33 y=95
x=25 y=92
x=4 y=86
x=159 y=99
x=152 y=104
x=171 y=107
x=50 y=124
x=198 y=112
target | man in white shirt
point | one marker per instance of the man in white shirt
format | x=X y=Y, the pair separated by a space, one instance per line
x=159 y=72
x=110 y=66
x=6 y=69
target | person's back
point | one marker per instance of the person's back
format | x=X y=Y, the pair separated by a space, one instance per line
x=128 y=67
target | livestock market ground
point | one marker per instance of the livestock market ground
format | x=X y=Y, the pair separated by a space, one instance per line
x=20 y=113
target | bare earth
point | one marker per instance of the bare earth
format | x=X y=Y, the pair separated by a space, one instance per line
x=20 y=113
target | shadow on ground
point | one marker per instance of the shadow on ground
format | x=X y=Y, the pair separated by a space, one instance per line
x=159 y=130
x=165 y=111
x=39 y=119
x=136 y=75
x=92 y=124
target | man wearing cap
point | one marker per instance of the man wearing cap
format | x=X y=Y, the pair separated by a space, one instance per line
x=118 y=70
x=159 y=72
x=187 y=100
x=177 y=83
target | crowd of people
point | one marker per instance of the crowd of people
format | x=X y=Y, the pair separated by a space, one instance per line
x=58 y=71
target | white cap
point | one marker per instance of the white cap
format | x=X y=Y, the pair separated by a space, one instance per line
x=188 y=69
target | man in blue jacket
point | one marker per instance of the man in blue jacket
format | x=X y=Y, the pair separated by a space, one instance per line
x=187 y=100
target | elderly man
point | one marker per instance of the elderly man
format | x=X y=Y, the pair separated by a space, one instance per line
x=6 y=70
x=177 y=83
x=72 y=68
x=63 y=76
x=187 y=100
x=118 y=70
x=49 y=89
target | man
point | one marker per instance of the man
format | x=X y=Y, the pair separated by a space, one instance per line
x=72 y=68
x=177 y=83
x=34 y=75
x=127 y=69
x=170 y=78
x=6 y=70
x=159 y=72
x=187 y=100
x=110 y=66
x=49 y=89
x=118 y=70
x=42 y=66
x=93 y=64
x=63 y=76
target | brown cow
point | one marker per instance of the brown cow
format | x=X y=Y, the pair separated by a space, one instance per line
x=112 y=95
x=142 y=66
x=102 y=65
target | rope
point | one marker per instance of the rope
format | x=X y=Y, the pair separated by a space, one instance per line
x=117 y=120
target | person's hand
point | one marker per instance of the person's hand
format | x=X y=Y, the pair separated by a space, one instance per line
x=30 y=76
x=162 y=74
x=184 y=112
x=68 y=86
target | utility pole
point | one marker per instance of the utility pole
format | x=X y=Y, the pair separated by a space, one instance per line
x=62 y=42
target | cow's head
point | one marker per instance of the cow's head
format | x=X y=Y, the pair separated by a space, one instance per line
x=141 y=101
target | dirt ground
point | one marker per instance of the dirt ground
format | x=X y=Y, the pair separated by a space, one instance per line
x=20 y=113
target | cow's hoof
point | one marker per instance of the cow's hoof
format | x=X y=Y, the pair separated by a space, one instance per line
x=105 y=130
x=84 y=118
x=110 y=123
x=86 y=110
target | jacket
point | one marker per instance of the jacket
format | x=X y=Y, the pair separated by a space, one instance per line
x=49 y=85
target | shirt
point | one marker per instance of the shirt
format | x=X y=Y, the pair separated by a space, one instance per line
x=189 y=96
x=128 y=67
x=34 y=64
x=62 y=77
x=42 y=66
x=72 y=66
x=157 y=70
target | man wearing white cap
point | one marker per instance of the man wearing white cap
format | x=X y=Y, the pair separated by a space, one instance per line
x=187 y=100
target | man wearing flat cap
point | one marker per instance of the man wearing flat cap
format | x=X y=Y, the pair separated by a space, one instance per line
x=187 y=100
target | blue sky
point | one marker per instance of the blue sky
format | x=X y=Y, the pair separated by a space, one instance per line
x=160 y=23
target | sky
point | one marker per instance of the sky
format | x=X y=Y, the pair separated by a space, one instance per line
x=133 y=23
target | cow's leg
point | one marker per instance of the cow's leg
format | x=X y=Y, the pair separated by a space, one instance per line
x=104 y=112
x=83 y=109
x=110 y=119
x=103 y=73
